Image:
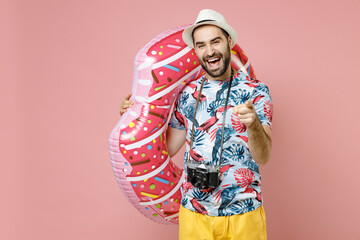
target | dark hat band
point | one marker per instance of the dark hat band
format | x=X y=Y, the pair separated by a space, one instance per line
x=209 y=20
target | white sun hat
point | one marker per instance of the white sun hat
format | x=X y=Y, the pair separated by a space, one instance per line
x=208 y=17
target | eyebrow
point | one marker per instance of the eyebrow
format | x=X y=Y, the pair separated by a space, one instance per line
x=212 y=40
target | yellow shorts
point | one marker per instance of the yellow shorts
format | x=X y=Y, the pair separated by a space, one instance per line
x=247 y=226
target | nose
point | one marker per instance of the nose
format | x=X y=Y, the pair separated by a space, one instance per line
x=210 y=50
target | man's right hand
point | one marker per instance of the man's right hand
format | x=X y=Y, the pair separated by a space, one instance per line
x=126 y=103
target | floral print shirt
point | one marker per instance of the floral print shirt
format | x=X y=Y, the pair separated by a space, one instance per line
x=240 y=180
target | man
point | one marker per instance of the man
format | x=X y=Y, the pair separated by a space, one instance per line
x=233 y=209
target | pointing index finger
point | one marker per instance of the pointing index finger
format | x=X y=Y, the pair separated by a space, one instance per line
x=249 y=104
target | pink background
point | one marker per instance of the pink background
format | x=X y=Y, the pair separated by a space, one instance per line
x=66 y=65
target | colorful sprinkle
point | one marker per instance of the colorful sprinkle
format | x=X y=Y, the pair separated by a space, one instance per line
x=173 y=46
x=154 y=76
x=149 y=147
x=158 y=88
x=132 y=124
x=143 y=154
x=149 y=195
x=132 y=139
x=158 y=206
x=149 y=121
x=172 y=68
x=153 y=52
x=140 y=162
x=161 y=180
x=160 y=53
x=156 y=114
x=152 y=186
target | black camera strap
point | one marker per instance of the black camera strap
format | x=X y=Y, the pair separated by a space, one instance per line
x=224 y=118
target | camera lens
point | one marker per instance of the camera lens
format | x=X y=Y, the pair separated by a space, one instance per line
x=198 y=180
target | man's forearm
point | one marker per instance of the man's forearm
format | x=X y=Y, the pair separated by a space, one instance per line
x=259 y=142
x=175 y=139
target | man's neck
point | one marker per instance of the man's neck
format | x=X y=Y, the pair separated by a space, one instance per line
x=225 y=76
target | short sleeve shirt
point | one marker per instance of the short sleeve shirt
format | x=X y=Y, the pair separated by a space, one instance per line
x=240 y=180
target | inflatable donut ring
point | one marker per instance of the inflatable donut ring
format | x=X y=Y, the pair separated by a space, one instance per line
x=140 y=161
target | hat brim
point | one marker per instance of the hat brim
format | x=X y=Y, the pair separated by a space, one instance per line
x=188 y=32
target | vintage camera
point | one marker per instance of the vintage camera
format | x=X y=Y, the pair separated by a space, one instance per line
x=202 y=176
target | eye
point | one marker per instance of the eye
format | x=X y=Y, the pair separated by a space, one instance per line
x=201 y=46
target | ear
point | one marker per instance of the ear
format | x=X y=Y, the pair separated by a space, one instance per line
x=230 y=41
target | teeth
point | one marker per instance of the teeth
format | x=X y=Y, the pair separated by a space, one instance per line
x=213 y=60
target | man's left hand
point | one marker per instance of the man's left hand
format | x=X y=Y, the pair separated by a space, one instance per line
x=246 y=113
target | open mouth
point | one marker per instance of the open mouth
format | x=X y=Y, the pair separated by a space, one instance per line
x=213 y=62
